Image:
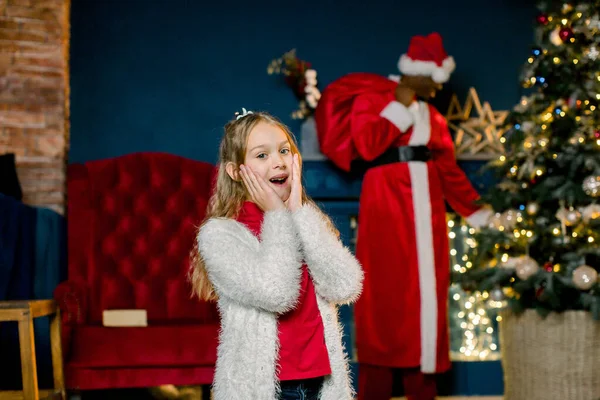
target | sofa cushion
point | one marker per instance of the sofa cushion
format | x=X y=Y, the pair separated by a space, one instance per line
x=160 y=346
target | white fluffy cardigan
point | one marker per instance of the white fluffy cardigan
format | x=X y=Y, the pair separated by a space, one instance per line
x=258 y=279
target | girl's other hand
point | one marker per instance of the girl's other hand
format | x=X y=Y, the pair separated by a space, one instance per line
x=294 y=202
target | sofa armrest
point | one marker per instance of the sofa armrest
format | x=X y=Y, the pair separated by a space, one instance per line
x=72 y=301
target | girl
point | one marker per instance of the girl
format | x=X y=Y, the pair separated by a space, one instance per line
x=274 y=263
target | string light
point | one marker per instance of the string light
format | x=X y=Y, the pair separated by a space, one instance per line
x=473 y=330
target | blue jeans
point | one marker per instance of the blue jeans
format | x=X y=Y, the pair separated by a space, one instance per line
x=305 y=389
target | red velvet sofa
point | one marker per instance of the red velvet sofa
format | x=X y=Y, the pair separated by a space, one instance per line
x=131 y=225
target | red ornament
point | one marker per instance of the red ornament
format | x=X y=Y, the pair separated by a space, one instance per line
x=597 y=134
x=548 y=267
x=539 y=292
x=565 y=33
x=542 y=19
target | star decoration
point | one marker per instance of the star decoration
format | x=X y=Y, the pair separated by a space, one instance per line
x=476 y=137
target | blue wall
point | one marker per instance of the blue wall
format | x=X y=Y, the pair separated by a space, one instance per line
x=165 y=75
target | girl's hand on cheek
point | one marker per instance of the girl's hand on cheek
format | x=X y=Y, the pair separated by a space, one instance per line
x=260 y=192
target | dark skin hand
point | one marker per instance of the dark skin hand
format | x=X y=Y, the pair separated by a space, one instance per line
x=416 y=85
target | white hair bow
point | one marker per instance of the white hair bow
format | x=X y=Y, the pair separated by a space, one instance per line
x=243 y=113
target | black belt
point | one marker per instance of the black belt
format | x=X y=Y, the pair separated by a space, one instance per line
x=394 y=155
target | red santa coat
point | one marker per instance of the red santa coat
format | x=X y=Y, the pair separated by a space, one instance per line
x=401 y=316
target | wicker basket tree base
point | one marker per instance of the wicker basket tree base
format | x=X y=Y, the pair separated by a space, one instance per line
x=556 y=358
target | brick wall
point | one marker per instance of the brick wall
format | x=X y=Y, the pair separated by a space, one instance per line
x=34 y=95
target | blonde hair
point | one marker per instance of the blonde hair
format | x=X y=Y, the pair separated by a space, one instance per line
x=229 y=195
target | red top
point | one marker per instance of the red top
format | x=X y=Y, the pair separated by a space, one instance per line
x=302 y=350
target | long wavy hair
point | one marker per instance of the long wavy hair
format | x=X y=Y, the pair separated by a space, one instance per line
x=229 y=195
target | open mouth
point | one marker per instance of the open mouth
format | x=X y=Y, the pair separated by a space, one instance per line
x=279 y=180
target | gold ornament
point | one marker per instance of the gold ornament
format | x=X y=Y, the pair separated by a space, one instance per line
x=590 y=213
x=480 y=137
x=526 y=267
x=585 y=277
x=569 y=217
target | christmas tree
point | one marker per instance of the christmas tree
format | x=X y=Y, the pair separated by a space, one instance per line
x=541 y=249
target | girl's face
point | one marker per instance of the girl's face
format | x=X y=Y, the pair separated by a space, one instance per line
x=269 y=155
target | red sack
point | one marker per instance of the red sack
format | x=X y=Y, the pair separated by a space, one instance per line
x=334 y=110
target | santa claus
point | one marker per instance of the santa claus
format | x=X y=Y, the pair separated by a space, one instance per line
x=386 y=126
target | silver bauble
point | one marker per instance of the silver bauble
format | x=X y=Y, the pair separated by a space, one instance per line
x=591 y=185
x=585 y=277
x=497 y=294
x=526 y=267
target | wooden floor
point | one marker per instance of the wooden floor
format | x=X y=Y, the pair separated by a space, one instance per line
x=168 y=392
x=459 y=398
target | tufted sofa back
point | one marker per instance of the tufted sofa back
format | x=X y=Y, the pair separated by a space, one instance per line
x=132 y=222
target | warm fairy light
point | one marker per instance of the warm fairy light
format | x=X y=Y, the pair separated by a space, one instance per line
x=477 y=341
x=556 y=267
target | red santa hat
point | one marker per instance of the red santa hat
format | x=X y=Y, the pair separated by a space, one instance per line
x=426 y=56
